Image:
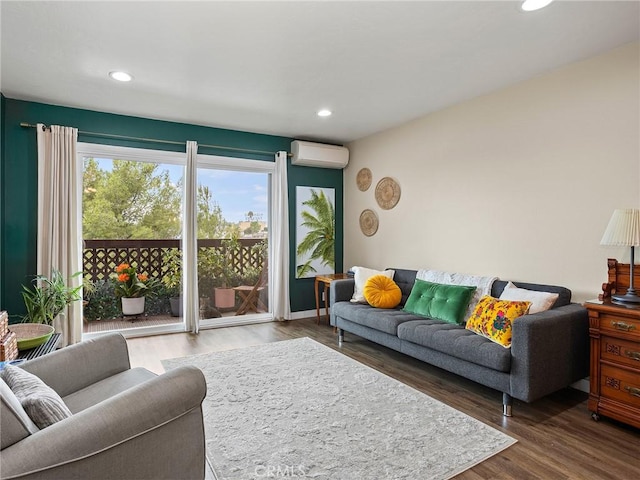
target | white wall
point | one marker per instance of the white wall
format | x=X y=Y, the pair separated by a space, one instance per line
x=519 y=183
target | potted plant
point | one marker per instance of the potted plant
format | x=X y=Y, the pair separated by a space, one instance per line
x=48 y=297
x=225 y=275
x=132 y=287
x=172 y=280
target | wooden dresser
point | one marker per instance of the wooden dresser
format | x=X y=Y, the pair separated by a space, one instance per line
x=615 y=361
x=615 y=349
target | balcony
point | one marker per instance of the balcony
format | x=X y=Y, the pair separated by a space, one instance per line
x=221 y=262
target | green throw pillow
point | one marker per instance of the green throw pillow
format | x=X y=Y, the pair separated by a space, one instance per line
x=435 y=300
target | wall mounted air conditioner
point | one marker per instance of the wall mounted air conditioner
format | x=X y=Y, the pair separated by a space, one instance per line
x=312 y=154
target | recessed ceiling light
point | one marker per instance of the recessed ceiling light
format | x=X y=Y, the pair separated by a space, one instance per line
x=324 y=112
x=531 y=5
x=121 y=76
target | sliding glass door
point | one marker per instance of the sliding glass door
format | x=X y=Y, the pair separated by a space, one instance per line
x=132 y=222
x=132 y=230
x=233 y=240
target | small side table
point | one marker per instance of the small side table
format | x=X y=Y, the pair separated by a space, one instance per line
x=326 y=281
x=47 y=347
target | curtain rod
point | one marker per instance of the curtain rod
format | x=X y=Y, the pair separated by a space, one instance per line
x=155 y=140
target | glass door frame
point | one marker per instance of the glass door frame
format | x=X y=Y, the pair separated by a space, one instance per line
x=236 y=164
x=85 y=150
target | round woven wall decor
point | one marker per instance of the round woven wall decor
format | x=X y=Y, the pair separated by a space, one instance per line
x=368 y=222
x=363 y=179
x=387 y=193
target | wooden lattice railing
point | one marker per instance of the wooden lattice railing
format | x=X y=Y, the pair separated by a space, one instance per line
x=101 y=257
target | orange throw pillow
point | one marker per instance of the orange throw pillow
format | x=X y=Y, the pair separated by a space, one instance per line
x=382 y=292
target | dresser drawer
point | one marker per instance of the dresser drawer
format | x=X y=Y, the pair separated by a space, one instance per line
x=630 y=327
x=620 y=351
x=620 y=384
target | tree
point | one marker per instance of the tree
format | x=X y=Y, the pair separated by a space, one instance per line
x=320 y=239
x=132 y=200
x=211 y=223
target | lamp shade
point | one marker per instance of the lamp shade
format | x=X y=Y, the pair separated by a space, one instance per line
x=623 y=229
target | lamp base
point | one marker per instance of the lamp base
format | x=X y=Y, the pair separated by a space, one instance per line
x=629 y=297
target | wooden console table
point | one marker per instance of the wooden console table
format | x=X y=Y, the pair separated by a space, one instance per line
x=326 y=281
x=47 y=347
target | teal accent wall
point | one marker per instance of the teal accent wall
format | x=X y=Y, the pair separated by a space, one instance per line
x=2 y=104
x=18 y=197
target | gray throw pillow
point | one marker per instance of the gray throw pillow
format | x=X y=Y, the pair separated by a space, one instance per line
x=43 y=405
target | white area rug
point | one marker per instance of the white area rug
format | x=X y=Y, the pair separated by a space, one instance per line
x=299 y=409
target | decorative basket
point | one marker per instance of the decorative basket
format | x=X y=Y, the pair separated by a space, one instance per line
x=31 y=335
x=9 y=347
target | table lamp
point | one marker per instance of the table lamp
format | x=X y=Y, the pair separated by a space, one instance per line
x=624 y=231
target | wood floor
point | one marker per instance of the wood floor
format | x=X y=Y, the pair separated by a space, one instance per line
x=556 y=437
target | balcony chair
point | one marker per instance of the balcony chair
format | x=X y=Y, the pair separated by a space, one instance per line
x=250 y=294
x=125 y=423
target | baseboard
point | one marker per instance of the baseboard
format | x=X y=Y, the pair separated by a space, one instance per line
x=582 y=385
x=303 y=314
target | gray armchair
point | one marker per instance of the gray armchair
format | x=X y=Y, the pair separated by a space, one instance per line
x=126 y=423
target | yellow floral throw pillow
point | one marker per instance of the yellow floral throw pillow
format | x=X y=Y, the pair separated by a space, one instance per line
x=382 y=292
x=493 y=318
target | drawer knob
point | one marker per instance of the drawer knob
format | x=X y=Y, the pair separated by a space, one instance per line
x=623 y=326
x=633 y=391
x=632 y=355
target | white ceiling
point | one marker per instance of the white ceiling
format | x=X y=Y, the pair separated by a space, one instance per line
x=269 y=66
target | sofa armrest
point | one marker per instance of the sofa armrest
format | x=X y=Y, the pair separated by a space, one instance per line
x=341 y=290
x=148 y=431
x=549 y=351
x=75 y=367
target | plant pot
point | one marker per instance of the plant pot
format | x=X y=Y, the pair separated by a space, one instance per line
x=225 y=297
x=132 y=306
x=176 y=306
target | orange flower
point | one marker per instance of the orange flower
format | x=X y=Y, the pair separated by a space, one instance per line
x=142 y=277
x=123 y=277
x=122 y=267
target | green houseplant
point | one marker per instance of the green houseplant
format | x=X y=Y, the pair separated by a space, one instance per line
x=172 y=280
x=225 y=274
x=48 y=297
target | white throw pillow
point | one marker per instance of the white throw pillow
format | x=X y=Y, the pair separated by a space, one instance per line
x=540 y=301
x=361 y=276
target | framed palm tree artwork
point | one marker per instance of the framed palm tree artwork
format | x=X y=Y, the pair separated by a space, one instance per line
x=315 y=231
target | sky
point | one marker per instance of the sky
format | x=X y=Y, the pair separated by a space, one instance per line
x=237 y=193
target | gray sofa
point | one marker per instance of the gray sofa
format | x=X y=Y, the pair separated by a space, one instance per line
x=549 y=351
x=125 y=423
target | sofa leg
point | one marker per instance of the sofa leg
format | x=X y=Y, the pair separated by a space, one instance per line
x=507 y=402
x=340 y=336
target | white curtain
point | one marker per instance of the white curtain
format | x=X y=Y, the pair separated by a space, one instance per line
x=59 y=235
x=191 y=308
x=280 y=224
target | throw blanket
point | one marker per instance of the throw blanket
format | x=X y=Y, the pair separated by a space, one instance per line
x=483 y=284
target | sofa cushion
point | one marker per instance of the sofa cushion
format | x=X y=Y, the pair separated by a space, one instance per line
x=386 y=321
x=454 y=340
x=382 y=292
x=540 y=301
x=43 y=405
x=361 y=275
x=109 y=387
x=564 y=294
x=436 y=300
x=493 y=318
x=404 y=279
